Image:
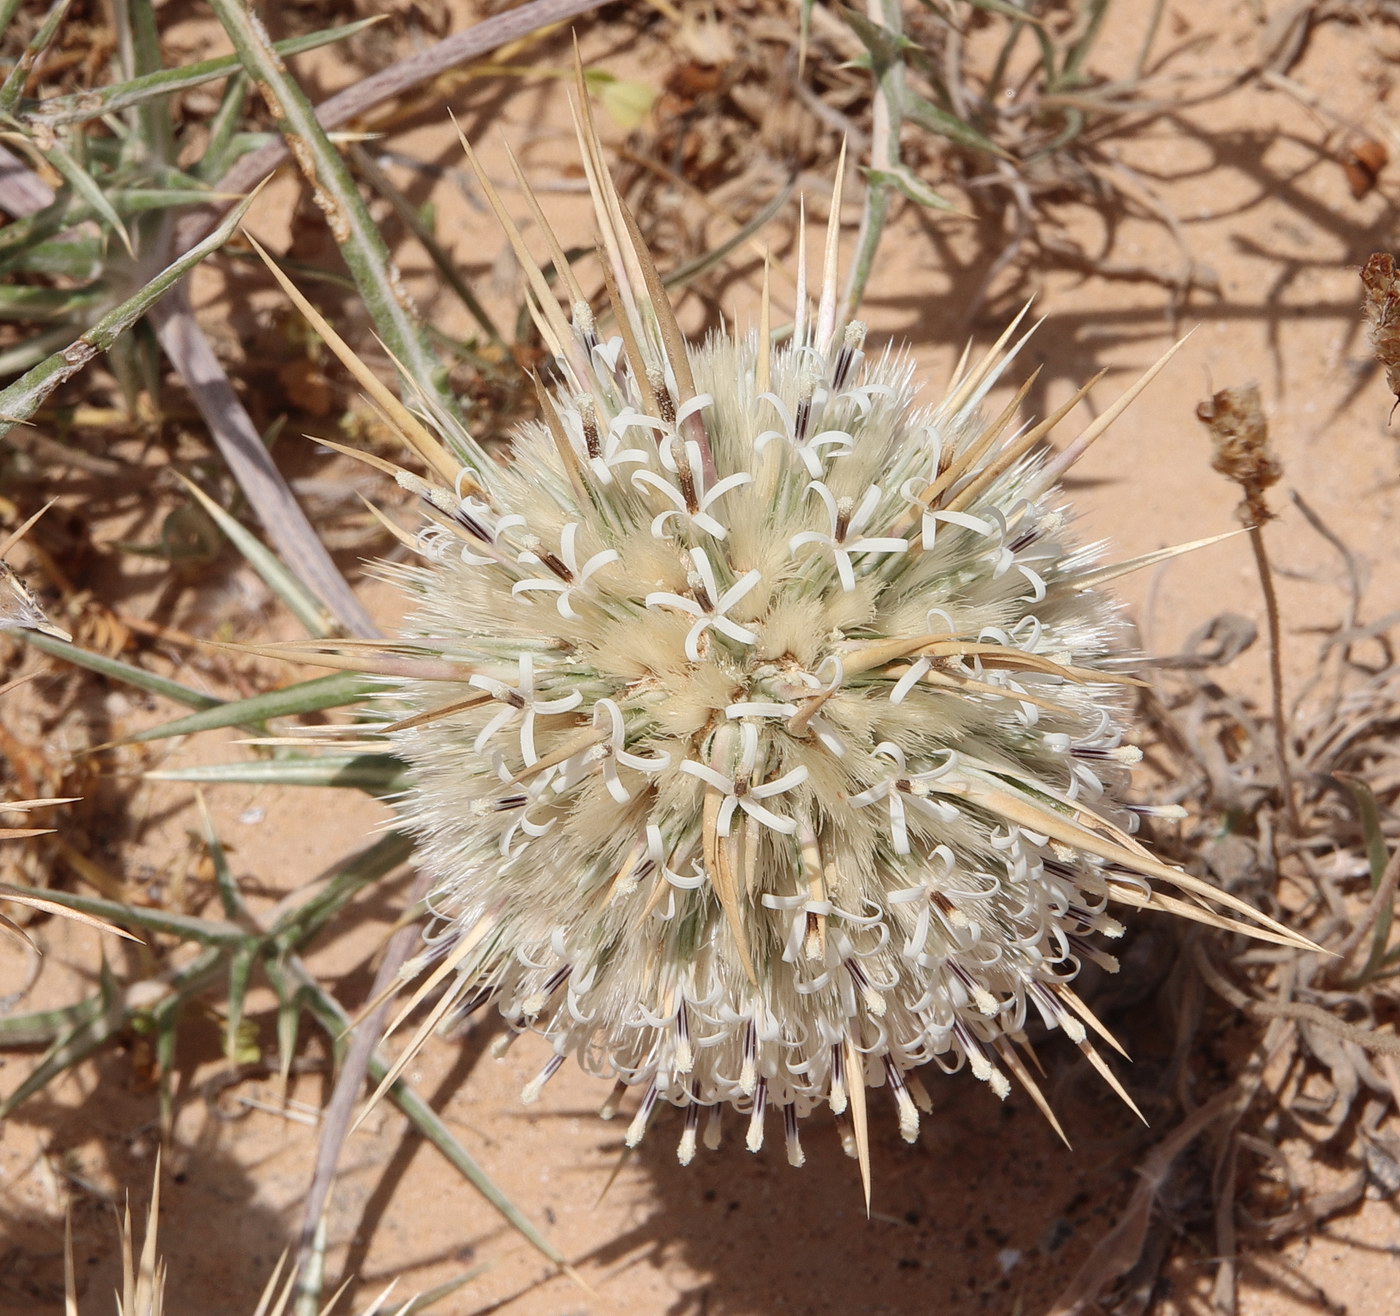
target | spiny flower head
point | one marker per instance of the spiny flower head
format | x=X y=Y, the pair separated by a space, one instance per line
x=766 y=726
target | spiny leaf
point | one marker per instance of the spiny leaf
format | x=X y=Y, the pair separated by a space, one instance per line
x=378 y=774
x=27 y=394
x=312 y=696
x=283 y=582
x=84 y=105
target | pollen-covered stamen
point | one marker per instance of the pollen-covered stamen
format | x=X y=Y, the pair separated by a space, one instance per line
x=872 y=999
x=712 y=606
x=638 y=1127
x=802 y=419
x=908 y=1113
x=1126 y=755
x=754 y=1140
x=714 y=1127
x=665 y=403
x=810 y=452
x=849 y=357
x=985 y=1002
x=794 y=1143
x=530 y=1093
x=748 y=1071
x=588 y=419
x=685 y=1053
x=837 y=1095
x=465 y=515
x=536 y=1001
x=585 y=326
x=536 y=553
x=613 y=1101
x=685 y=1150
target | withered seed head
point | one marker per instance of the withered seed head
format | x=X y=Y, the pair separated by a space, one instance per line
x=1240 y=434
x=1382 y=307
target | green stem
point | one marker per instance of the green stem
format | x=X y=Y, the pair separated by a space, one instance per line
x=82 y=106
x=361 y=245
x=888 y=115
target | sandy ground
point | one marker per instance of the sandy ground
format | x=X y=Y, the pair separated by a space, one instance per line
x=988 y=1212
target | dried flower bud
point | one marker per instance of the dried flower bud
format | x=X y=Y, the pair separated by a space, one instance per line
x=1382 y=307
x=1240 y=434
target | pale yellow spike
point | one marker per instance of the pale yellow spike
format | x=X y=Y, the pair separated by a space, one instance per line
x=576 y=745
x=559 y=335
x=1017 y=1066
x=435 y=714
x=611 y=257
x=547 y=330
x=721 y=874
x=857 y=661
x=567 y=456
x=421 y=669
x=124 y=1234
x=966 y=460
x=409 y=541
x=860 y=1122
x=1102 y=575
x=955 y=380
x=763 y=379
x=826 y=307
x=1014 y=452
x=618 y=886
x=968 y=386
x=752 y=836
x=410 y=429
x=957 y=681
x=415 y=1044
x=1110 y=1078
x=1055 y=469
x=659 y=888
x=150 y=1274
x=800 y=309
x=70 y=1279
x=674 y=341
x=17 y=534
x=1070 y=998
x=1199 y=914
x=464 y=947
x=604 y=193
x=368 y=458
x=1016 y=808
x=1000 y=655
x=17 y=895
x=561 y=262
x=636 y=358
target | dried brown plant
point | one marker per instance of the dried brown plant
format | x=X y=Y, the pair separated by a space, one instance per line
x=1382 y=307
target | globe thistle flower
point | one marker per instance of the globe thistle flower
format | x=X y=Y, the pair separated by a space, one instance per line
x=767 y=724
